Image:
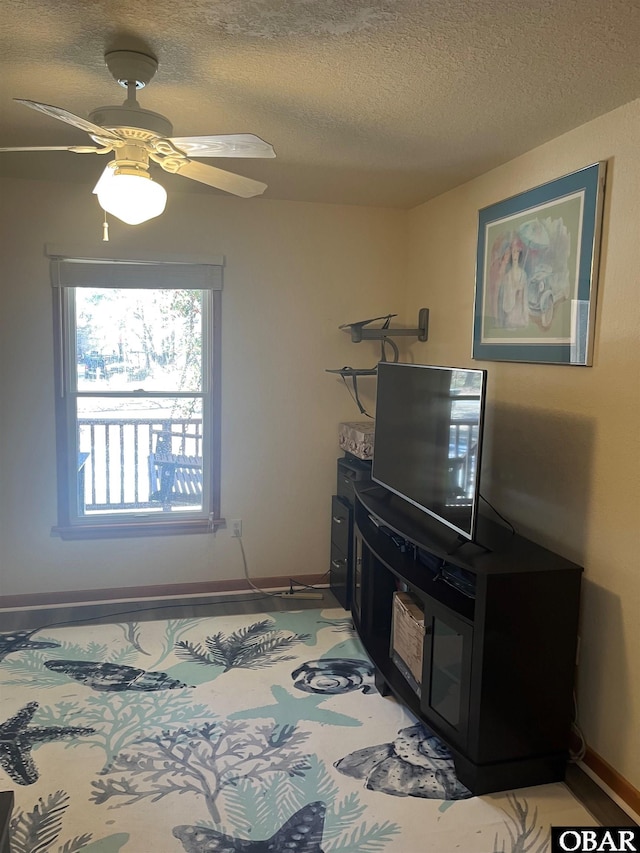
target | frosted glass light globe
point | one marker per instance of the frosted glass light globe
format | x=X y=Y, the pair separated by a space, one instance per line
x=131 y=198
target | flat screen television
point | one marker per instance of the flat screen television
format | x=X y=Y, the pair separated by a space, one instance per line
x=428 y=439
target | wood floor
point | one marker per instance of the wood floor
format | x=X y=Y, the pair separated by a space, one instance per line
x=595 y=800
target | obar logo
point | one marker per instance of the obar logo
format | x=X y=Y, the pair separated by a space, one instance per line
x=599 y=839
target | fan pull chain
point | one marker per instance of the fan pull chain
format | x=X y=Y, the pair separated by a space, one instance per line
x=105 y=229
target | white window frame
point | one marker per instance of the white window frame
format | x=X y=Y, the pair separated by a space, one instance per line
x=71 y=269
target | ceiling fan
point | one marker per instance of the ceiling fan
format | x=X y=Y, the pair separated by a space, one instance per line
x=137 y=136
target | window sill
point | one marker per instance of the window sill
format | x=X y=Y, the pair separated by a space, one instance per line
x=136 y=529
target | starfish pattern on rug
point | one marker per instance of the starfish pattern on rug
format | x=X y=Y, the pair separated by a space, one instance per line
x=302 y=833
x=290 y=710
x=16 y=641
x=17 y=740
x=172 y=760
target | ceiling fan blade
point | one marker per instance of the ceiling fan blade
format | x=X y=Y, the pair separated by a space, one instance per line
x=69 y=118
x=221 y=179
x=224 y=145
x=77 y=149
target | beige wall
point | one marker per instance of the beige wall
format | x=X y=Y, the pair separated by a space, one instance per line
x=562 y=456
x=293 y=273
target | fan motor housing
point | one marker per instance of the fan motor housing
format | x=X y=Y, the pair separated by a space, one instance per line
x=130 y=66
x=113 y=118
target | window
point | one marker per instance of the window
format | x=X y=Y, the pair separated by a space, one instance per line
x=137 y=398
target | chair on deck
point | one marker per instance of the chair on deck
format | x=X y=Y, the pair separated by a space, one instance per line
x=174 y=478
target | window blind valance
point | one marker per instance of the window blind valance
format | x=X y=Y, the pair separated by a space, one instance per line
x=140 y=273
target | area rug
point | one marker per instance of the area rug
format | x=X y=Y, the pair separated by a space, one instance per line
x=250 y=734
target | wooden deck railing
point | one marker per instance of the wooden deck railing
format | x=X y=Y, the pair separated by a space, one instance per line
x=462 y=458
x=116 y=471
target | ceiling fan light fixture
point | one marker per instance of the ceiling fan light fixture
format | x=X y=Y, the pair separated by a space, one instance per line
x=138 y=135
x=130 y=195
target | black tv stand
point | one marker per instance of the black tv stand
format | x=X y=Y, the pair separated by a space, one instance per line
x=461 y=541
x=500 y=638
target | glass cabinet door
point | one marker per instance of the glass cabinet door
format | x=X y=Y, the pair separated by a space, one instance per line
x=447 y=672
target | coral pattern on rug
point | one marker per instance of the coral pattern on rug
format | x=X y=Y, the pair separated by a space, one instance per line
x=238 y=734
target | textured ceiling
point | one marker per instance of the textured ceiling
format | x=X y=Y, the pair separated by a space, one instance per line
x=373 y=102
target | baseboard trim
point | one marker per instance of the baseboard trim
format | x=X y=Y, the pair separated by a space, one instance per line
x=129 y=593
x=602 y=771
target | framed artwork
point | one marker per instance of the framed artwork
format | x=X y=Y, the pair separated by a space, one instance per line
x=536 y=272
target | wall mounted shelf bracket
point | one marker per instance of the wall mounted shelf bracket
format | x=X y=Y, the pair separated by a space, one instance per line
x=384 y=333
x=360 y=333
x=355 y=371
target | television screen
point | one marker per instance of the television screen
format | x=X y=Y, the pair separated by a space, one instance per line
x=428 y=439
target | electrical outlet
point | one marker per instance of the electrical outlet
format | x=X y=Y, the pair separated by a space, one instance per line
x=236 y=528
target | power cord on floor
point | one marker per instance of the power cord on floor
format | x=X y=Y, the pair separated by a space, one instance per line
x=290 y=594
x=307 y=585
x=241 y=600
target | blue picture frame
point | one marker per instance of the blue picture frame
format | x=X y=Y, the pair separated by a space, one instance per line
x=536 y=272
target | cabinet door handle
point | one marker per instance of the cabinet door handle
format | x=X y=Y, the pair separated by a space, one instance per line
x=337 y=519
